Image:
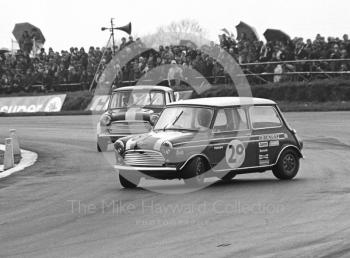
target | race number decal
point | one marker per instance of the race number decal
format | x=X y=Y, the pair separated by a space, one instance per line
x=235 y=154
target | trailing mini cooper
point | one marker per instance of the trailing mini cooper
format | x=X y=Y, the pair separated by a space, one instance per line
x=131 y=110
x=221 y=136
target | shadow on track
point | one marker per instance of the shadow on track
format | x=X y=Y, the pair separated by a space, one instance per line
x=234 y=184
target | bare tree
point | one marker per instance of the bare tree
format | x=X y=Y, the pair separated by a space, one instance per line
x=173 y=33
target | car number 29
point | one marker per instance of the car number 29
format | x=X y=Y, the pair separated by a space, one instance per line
x=235 y=154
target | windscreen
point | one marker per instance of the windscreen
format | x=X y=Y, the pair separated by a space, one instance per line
x=130 y=98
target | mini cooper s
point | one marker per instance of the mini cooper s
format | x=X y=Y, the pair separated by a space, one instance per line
x=221 y=136
x=131 y=110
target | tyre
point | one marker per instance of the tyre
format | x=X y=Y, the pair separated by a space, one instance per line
x=194 y=172
x=102 y=145
x=287 y=166
x=128 y=181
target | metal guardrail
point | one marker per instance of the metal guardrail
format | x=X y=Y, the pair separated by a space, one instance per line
x=258 y=75
x=252 y=76
x=296 y=61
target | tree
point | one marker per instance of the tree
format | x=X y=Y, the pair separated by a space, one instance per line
x=173 y=33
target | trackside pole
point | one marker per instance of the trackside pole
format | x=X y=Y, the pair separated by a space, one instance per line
x=15 y=142
x=9 y=160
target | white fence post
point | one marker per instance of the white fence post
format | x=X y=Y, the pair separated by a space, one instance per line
x=9 y=160
x=15 y=142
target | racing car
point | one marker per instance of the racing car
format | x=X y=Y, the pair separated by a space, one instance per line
x=221 y=136
x=131 y=110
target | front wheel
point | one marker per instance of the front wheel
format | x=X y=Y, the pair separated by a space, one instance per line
x=287 y=166
x=194 y=172
x=128 y=181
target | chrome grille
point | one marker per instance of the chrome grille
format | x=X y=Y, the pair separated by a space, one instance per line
x=144 y=158
x=129 y=127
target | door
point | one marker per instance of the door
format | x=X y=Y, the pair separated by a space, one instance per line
x=228 y=146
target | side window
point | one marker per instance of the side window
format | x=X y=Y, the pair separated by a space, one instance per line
x=220 y=121
x=157 y=98
x=264 y=117
x=239 y=119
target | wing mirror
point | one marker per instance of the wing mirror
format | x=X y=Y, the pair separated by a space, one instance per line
x=153 y=119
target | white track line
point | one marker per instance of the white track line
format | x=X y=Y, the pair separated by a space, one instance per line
x=28 y=159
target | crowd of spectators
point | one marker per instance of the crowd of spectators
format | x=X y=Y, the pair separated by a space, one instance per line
x=322 y=50
x=19 y=71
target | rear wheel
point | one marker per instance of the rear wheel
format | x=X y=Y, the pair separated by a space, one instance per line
x=287 y=166
x=128 y=181
x=102 y=145
x=194 y=172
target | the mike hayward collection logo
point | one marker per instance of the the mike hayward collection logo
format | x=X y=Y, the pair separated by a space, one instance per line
x=234 y=156
x=151 y=207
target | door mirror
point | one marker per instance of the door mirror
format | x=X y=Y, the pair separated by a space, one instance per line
x=153 y=119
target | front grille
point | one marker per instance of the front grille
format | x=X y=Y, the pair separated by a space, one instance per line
x=144 y=158
x=129 y=127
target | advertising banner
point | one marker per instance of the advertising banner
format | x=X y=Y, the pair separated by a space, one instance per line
x=49 y=103
x=98 y=103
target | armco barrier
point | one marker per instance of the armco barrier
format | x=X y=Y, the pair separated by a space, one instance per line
x=48 y=103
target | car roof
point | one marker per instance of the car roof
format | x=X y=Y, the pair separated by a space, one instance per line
x=224 y=101
x=144 y=87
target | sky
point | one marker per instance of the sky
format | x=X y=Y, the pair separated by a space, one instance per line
x=77 y=23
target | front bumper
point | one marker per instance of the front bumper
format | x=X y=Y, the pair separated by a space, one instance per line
x=111 y=138
x=150 y=172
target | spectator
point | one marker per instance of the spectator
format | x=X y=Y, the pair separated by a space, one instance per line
x=175 y=74
x=123 y=44
x=78 y=66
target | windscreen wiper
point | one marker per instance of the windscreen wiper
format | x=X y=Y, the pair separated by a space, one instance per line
x=176 y=119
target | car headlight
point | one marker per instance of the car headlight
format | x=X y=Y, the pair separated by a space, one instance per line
x=106 y=120
x=166 y=148
x=119 y=147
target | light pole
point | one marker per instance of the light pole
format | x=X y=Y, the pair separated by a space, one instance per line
x=111 y=29
x=126 y=28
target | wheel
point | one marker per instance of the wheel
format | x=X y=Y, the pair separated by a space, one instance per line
x=102 y=145
x=287 y=166
x=128 y=181
x=194 y=172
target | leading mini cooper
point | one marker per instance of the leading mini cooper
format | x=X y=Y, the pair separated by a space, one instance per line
x=221 y=136
x=131 y=110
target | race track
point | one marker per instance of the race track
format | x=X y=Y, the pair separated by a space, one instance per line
x=70 y=203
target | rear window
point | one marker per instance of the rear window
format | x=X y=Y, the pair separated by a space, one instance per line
x=264 y=117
